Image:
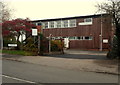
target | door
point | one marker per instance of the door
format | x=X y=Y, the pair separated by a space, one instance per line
x=66 y=42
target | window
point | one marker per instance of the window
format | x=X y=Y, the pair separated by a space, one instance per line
x=65 y=23
x=88 y=20
x=71 y=38
x=38 y=24
x=88 y=38
x=80 y=38
x=59 y=24
x=53 y=38
x=46 y=24
x=34 y=23
x=72 y=23
x=51 y=24
x=43 y=25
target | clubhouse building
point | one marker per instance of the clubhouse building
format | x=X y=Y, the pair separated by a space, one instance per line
x=80 y=32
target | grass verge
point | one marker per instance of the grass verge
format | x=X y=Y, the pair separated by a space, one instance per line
x=18 y=52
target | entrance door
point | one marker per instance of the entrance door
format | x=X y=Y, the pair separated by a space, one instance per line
x=66 y=42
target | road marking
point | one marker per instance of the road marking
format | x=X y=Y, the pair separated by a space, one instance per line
x=18 y=79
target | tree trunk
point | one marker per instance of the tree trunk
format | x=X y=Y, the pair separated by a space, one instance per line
x=18 y=42
x=118 y=38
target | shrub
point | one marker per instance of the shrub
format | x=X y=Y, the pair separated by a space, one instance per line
x=57 y=45
x=7 y=40
x=112 y=54
x=31 y=45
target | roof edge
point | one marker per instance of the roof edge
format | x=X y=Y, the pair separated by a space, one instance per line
x=87 y=16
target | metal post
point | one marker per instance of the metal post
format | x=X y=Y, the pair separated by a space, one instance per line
x=34 y=39
x=38 y=43
x=50 y=43
x=1 y=40
x=101 y=34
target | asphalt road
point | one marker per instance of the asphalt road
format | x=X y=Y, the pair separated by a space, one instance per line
x=80 y=56
x=20 y=72
x=72 y=56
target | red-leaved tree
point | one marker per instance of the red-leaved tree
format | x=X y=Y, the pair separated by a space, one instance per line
x=16 y=28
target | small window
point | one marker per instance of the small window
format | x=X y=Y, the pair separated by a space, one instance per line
x=72 y=23
x=80 y=38
x=65 y=23
x=39 y=24
x=51 y=24
x=57 y=37
x=34 y=23
x=53 y=38
x=88 y=38
x=46 y=24
x=59 y=24
x=88 y=20
x=71 y=38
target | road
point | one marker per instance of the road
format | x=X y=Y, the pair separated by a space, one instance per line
x=80 y=56
x=20 y=72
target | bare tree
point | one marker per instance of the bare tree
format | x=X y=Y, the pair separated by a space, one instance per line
x=112 y=7
x=5 y=12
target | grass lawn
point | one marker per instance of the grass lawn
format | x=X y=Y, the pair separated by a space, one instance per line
x=17 y=52
x=0 y=51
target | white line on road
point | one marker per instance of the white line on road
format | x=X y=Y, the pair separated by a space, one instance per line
x=18 y=79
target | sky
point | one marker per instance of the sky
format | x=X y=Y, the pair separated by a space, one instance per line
x=48 y=9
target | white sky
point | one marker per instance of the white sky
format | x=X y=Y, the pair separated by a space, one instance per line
x=47 y=9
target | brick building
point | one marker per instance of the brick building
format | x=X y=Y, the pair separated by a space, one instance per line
x=80 y=32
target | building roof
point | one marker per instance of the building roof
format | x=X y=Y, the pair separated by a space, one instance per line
x=75 y=17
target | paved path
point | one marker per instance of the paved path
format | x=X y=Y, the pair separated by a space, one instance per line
x=74 y=51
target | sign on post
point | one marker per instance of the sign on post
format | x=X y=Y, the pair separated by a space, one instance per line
x=34 y=32
x=12 y=45
x=105 y=40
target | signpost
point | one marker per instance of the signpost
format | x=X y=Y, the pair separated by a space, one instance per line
x=12 y=45
x=36 y=32
x=105 y=40
x=39 y=31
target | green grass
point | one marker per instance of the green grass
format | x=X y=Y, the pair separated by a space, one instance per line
x=0 y=51
x=18 y=52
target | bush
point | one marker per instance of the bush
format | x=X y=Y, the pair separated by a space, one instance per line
x=31 y=45
x=7 y=40
x=113 y=53
x=57 y=45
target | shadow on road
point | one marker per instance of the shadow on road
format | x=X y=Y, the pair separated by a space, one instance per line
x=78 y=56
x=70 y=56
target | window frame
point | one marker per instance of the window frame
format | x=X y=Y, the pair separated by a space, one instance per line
x=86 y=20
x=72 y=23
x=51 y=24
